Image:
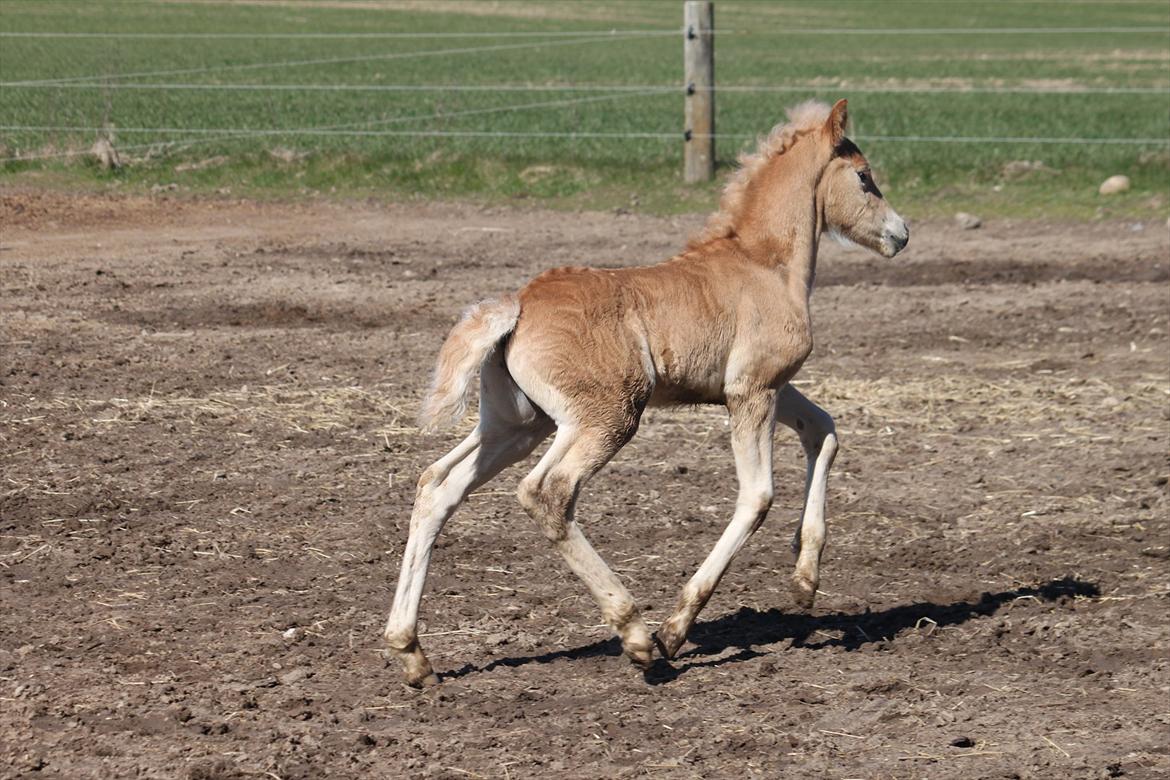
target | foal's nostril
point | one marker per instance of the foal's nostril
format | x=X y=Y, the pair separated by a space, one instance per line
x=901 y=237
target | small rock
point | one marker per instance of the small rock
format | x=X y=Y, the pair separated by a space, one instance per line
x=963 y=742
x=294 y=676
x=180 y=713
x=526 y=640
x=967 y=221
x=1114 y=185
x=293 y=634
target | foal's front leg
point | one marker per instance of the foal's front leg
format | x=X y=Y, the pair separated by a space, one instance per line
x=818 y=436
x=753 y=422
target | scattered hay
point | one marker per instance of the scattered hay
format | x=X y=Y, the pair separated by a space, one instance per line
x=352 y=410
x=286 y=155
x=1017 y=170
x=210 y=162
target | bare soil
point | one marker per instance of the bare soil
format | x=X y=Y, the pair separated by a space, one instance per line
x=207 y=461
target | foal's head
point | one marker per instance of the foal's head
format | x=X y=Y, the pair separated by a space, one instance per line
x=851 y=202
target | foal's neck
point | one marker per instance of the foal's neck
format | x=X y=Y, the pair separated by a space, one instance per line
x=781 y=227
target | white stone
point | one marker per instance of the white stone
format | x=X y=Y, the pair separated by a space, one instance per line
x=967 y=221
x=1114 y=185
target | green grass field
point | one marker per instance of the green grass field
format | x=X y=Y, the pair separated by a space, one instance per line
x=176 y=102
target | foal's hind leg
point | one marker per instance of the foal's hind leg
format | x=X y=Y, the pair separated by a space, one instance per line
x=818 y=435
x=549 y=495
x=752 y=425
x=506 y=433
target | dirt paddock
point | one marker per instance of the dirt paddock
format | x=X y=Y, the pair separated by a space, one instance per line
x=208 y=458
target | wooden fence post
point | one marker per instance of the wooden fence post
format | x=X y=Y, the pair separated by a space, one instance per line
x=699 y=75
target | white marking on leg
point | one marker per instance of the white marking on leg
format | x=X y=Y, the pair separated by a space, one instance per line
x=751 y=441
x=819 y=438
x=444 y=486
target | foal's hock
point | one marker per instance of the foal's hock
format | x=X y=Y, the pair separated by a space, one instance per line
x=580 y=352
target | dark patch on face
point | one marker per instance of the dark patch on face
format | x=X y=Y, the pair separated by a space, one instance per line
x=848 y=150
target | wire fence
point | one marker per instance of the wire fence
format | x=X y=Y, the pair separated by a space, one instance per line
x=174 y=138
x=627 y=35
x=898 y=31
x=648 y=88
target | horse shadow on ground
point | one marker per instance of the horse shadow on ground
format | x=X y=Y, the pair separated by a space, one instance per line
x=748 y=629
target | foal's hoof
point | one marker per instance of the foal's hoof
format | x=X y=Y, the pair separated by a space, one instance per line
x=416 y=669
x=428 y=680
x=639 y=649
x=668 y=641
x=804 y=591
x=642 y=657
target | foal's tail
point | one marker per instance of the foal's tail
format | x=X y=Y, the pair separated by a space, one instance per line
x=464 y=351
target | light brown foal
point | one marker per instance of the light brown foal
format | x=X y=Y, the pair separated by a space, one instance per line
x=581 y=352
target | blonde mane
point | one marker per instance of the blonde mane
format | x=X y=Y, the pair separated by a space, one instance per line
x=802 y=119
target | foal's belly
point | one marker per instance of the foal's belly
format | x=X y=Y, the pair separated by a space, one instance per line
x=676 y=384
x=681 y=395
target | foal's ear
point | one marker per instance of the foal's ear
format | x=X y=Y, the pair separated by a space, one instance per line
x=838 y=118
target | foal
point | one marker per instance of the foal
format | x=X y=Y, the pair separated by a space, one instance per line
x=581 y=352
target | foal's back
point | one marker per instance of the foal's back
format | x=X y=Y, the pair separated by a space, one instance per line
x=662 y=334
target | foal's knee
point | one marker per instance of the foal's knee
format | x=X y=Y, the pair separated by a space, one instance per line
x=757 y=502
x=548 y=502
x=426 y=481
x=761 y=501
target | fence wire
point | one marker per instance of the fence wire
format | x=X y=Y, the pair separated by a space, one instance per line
x=530 y=40
x=332 y=60
x=1072 y=89
x=778 y=33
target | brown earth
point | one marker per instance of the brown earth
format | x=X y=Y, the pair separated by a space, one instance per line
x=208 y=461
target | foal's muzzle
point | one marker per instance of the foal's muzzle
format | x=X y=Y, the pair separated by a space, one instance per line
x=895 y=235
